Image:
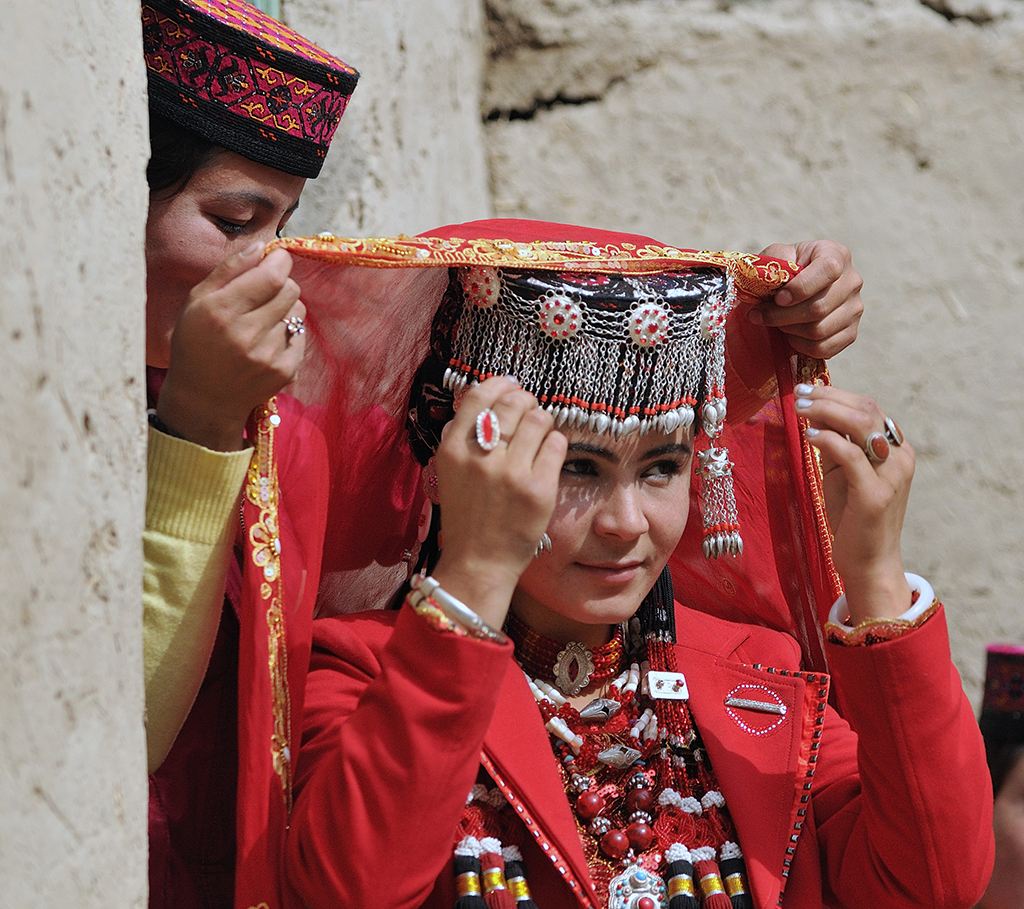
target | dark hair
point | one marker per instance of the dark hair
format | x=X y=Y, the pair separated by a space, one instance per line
x=176 y=154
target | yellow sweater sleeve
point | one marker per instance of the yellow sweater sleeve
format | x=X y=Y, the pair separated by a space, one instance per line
x=191 y=517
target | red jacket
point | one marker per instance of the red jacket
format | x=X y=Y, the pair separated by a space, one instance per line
x=201 y=851
x=399 y=718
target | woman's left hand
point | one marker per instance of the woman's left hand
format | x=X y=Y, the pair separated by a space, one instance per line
x=865 y=495
x=820 y=309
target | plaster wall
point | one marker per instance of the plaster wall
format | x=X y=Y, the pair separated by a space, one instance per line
x=409 y=154
x=73 y=148
x=896 y=127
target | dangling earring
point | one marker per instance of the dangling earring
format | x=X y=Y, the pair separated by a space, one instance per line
x=409 y=556
x=429 y=480
x=718 y=498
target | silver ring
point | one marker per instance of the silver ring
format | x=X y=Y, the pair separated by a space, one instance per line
x=543 y=545
x=876 y=447
x=294 y=325
x=488 y=429
x=892 y=432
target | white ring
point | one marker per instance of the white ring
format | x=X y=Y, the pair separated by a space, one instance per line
x=925 y=598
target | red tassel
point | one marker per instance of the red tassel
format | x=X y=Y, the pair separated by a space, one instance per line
x=496 y=892
x=675 y=826
x=709 y=879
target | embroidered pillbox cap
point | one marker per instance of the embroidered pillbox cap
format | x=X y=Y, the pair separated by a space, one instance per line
x=244 y=80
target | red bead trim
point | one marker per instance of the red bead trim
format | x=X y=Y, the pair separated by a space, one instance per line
x=561 y=400
x=537 y=654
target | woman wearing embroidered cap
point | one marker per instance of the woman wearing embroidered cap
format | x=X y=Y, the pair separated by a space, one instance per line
x=242 y=111
x=539 y=723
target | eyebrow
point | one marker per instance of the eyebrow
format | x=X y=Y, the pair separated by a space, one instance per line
x=670 y=449
x=258 y=200
x=659 y=452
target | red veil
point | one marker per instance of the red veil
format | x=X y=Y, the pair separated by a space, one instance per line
x=370 y=303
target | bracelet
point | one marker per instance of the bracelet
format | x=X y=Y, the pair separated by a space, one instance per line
x=428 y=611
x=878 y=630
x=427 y=589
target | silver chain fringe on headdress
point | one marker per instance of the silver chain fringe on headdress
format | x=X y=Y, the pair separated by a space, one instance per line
x=612 y=354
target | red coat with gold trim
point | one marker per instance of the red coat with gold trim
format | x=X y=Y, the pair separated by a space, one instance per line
x=399 y=719
x=202 y=851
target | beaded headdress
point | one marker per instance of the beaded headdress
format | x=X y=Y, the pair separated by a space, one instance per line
x=615 y=354
x=243 y=80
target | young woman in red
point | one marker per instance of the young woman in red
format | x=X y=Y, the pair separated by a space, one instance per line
x=542 y=721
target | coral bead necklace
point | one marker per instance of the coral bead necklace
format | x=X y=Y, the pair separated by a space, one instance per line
x=653 y=824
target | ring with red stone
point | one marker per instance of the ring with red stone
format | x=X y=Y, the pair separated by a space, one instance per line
x=877 y=448
x=488 y=429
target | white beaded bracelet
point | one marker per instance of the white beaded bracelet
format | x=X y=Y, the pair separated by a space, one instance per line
x=428 y=588
x=925 y=598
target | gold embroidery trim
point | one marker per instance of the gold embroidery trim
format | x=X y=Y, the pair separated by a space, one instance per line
x=261 y=490
x=876 y=631
x=271 y=31
x=752 y=274
x=814 y=372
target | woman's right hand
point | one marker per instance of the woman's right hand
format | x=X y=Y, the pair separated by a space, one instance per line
x=495 y=505
x=230 y=351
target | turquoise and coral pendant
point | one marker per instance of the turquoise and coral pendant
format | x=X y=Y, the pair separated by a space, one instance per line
x=637 y=888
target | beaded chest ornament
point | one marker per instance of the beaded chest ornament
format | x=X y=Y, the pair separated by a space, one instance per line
x=652 y=821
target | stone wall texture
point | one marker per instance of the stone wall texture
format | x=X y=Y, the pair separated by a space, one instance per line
x=894 y=126
x=409 y=154
x=73 y=148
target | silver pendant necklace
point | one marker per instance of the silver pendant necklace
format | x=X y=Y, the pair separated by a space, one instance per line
x=637 y=888
x=573 y=667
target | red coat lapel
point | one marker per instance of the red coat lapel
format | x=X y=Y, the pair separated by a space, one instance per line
x=517 y=755
x=763 y=762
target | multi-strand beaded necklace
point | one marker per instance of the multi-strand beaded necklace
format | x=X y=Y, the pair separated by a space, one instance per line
x=654 y=827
